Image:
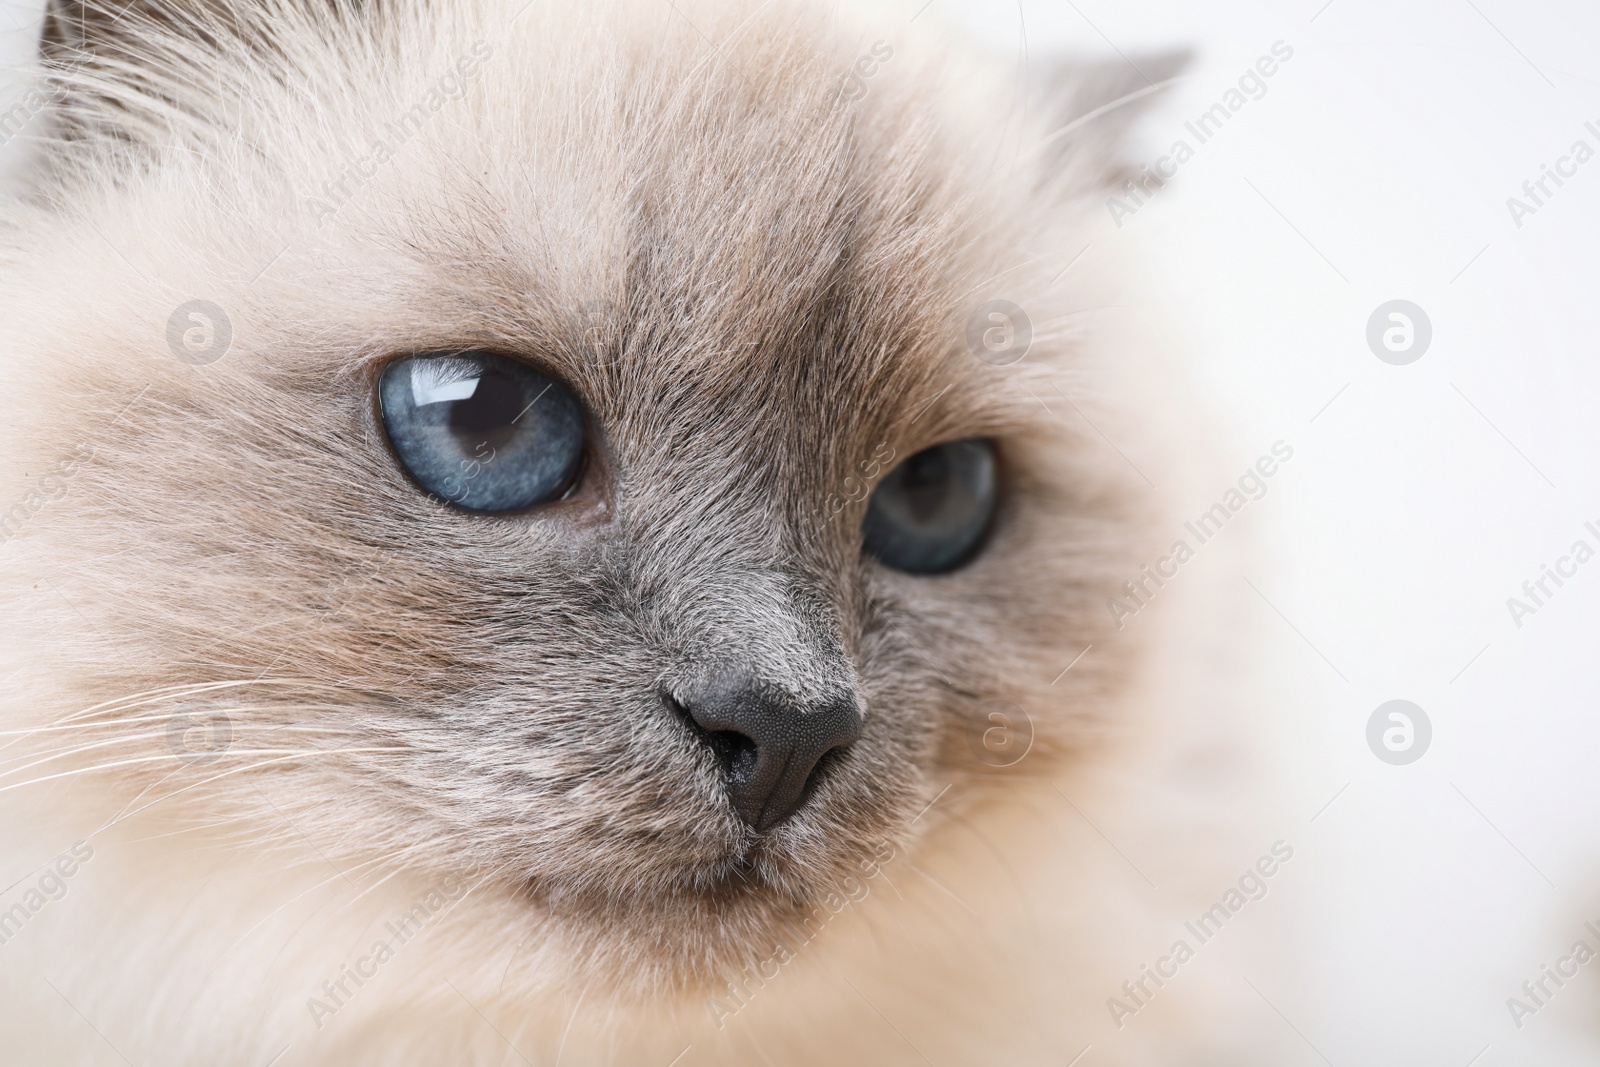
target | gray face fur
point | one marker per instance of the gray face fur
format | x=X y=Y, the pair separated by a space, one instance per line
x=752 y=289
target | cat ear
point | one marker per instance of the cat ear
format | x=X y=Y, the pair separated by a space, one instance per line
x=122 y=69
x=115 y=37
x=108 y=32
x=1093 y=106
x=104 y=60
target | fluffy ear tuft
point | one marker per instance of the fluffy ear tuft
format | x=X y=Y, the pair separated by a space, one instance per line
x=1093 y=104
x=111 y=33
x=109 y=64
x=134 y=70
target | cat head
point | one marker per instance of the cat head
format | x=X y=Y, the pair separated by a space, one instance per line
x=624 y=455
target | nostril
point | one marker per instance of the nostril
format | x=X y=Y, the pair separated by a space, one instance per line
x=770 y=745
x=735 y=752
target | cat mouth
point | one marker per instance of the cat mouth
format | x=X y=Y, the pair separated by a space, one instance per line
x=751 y=861
x=797 y=896
x=770 y=869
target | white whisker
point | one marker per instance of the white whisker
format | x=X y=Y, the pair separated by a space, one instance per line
x=189 y=757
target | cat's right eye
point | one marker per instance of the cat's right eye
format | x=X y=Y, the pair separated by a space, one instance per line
x=482 y=431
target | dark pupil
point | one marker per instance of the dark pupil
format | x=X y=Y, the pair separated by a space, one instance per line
x=926 y=483
x=488 y=414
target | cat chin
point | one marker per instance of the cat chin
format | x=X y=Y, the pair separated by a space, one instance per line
x=714 y=919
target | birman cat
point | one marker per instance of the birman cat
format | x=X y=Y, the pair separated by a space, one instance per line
x=583 y=533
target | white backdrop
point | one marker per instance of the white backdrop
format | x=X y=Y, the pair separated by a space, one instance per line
x=1376 y=166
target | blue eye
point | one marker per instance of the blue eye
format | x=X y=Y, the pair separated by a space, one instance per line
x=929 y=515
x=482 y=431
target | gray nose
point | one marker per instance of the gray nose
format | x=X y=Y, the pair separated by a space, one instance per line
x=769 y=743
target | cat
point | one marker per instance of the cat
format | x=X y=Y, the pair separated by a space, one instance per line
x=755 y=700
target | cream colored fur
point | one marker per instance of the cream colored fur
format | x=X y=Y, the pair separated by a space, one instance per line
x=751 y=281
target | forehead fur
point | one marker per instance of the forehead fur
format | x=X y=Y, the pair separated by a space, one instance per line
x=605 y=173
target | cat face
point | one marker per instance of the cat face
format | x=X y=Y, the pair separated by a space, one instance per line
x=629 y=661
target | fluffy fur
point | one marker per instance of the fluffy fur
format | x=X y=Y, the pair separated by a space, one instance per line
x=286 y=698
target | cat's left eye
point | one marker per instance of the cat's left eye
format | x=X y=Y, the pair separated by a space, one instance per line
x=930 y=514
x=482 y=431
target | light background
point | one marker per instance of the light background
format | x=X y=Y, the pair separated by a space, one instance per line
x=1377 y=166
